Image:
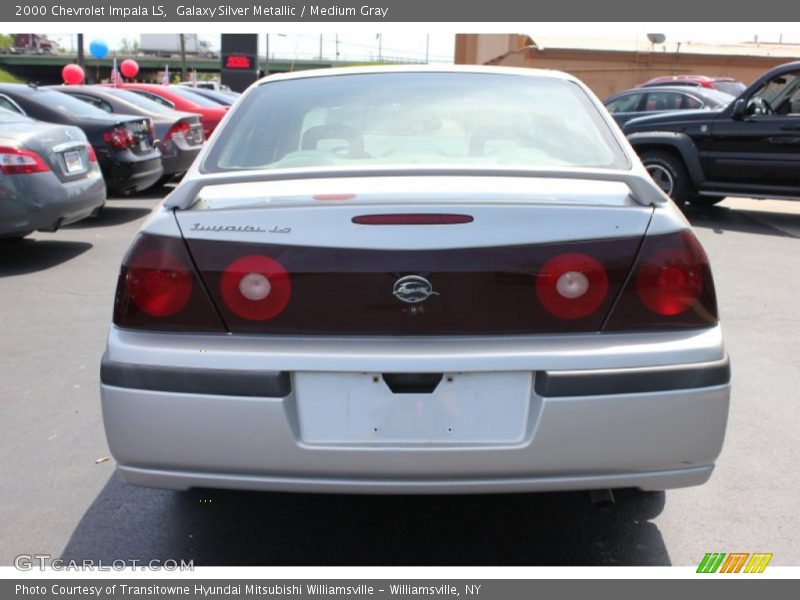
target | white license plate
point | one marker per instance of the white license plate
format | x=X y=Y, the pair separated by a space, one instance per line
x=73 y=161
x=464 y=408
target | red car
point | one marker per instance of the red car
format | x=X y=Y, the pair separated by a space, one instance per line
x=180 y=99
x=723 y=84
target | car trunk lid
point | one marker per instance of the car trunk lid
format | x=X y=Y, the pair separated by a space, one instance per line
x=419 y=256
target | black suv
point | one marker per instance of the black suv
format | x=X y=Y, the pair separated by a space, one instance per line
x=749 y=148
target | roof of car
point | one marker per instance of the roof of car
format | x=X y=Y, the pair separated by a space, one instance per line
x=479 y=69
x=20 y=88
x=668 y=88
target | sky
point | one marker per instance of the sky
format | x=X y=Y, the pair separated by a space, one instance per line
x=351 y=46
x=403 y=42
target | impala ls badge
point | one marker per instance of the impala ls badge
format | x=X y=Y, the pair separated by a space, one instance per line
x=413 y=289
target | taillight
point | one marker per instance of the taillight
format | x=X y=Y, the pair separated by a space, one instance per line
x=159 y=289
x=411 y=219
x=92 y=155
x=572 y=285
x=671 y=286
x=255 y=287
x=159 y=283
x=16 y=161
x=119 y=138
x=179 y=130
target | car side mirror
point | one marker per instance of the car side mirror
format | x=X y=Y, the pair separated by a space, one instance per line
x=739 y=109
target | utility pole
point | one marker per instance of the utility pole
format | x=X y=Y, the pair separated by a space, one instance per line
x=320 y=46
x=380 y=47
x=80 y=50
x=427 y=47
x=266 y=58
x=337 y=47
x=183 y=57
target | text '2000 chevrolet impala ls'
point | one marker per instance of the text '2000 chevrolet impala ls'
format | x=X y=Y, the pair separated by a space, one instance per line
x=416 y=280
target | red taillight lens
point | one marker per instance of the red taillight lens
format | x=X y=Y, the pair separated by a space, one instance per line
x=669 y=281
x=16 y=161
x=671 y=286
x=92 y=155
x=159 y=283
x=572 y=285
x=255 y=287
x=158 y=288
x=119 y=138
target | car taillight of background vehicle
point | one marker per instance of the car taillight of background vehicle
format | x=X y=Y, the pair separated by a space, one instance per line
x=181 y=132
x=16 y=161
x=670 y=286
x=158 y=288
x=119 y=138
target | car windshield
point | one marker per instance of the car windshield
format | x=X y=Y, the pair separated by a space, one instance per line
x=141 y=101
x=722 y=98
x=416 y=119
x=734 y=88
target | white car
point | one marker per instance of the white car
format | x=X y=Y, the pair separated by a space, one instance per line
x=416 y=280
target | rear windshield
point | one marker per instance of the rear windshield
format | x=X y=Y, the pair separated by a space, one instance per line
x=196 y=98
x=141 y=101
x=67 y=105
x=416 y=119
x=7 y=117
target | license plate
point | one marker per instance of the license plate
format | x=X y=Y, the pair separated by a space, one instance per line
x=471 y=408
x=144 y=146
x=73 y=161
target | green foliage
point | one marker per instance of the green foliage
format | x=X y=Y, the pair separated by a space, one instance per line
x=6 y=77
x=6 y=41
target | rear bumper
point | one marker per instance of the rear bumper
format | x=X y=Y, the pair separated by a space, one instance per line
x=179 y=425
x=177 y=159
x=42 y=202
x=131 y=176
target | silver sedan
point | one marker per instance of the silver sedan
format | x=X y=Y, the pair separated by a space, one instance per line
x=416 y=280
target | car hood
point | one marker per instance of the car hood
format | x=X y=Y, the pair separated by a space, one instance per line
x=670 y=118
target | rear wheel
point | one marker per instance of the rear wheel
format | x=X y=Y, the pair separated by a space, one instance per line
x=15 y=237
x=670 y=174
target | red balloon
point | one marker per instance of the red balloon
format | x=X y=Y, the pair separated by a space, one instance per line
x=72 y=74
x=129 y=68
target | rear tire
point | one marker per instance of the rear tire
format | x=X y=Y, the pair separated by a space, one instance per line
x=670 y=174
x=15 y=237
x=705 y=201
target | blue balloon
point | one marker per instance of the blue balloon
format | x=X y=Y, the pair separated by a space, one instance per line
x=98 y=49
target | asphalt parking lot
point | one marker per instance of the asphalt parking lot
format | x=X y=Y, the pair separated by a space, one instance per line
x=59 y=495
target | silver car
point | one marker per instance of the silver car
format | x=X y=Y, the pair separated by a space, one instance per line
x=49 y=176
x=416 y=280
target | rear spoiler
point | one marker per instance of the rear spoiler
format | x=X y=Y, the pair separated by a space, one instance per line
x=643 y=191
